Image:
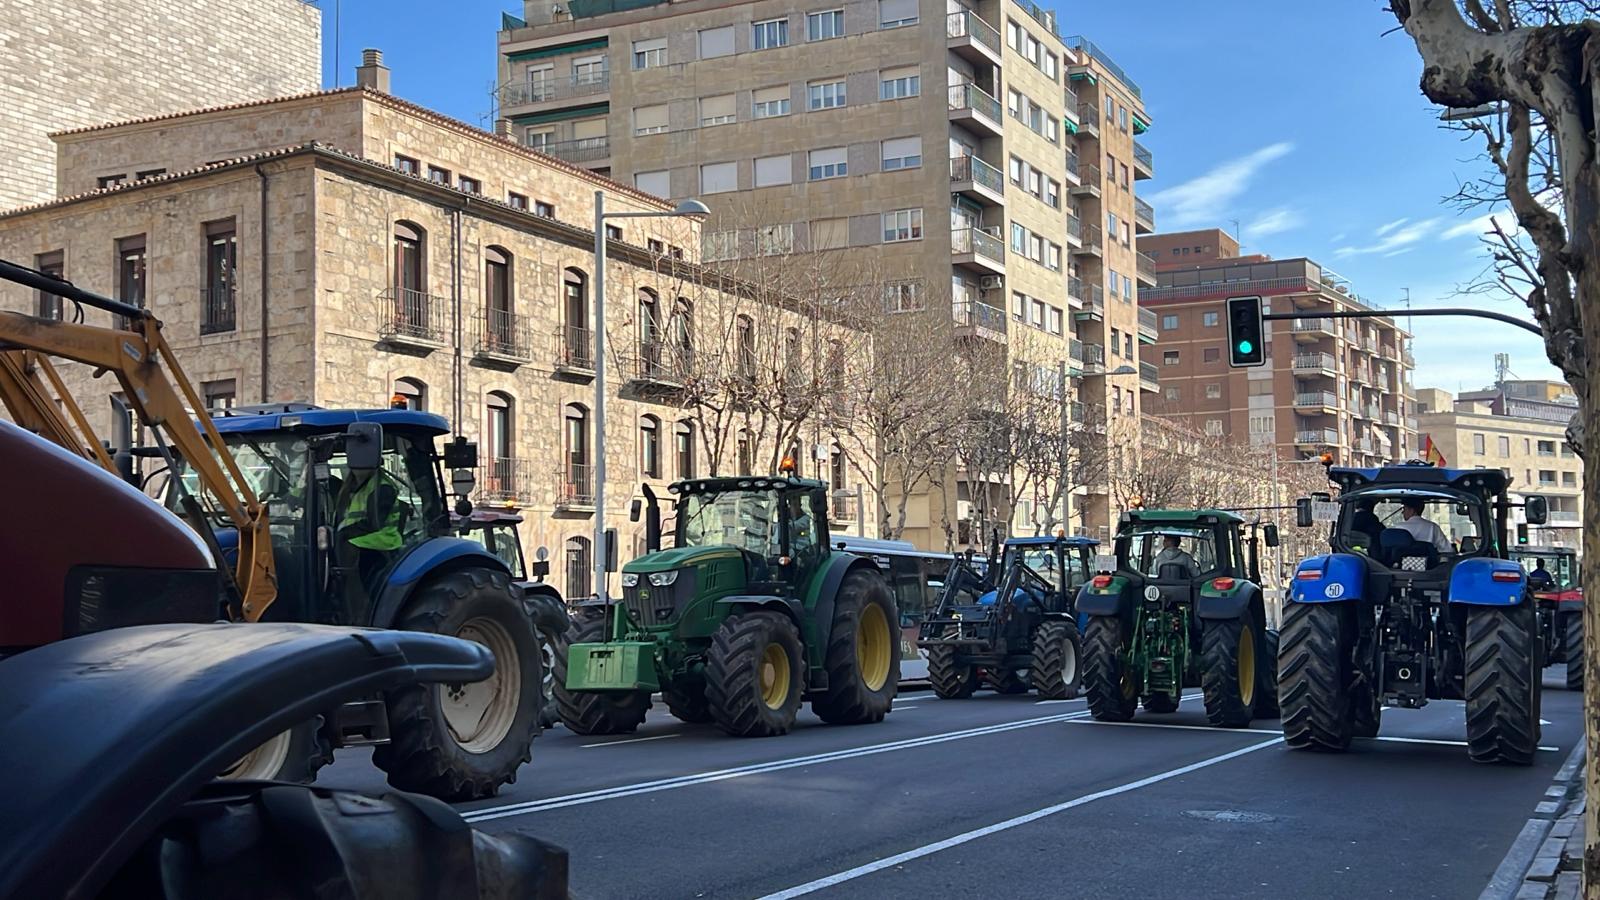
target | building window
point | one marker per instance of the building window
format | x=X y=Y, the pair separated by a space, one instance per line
x=769 y=34
x=1211 y=355
x=1214 y=427
x=469 y=185
x=1116 y=342
x=439 y=176
x=897 y=84
x=775 y=240
x=110 y=181
x=1504 y=446
x=649 y=447
x=831 y=162
x=902 y=296
x=902 y=153
x=821 y=26
x=1055 y=320
x=650 y=119
x=221 y=271
x=516 y=200
x=1209 y=319
x=650 y=54
x=1478 y=444
x=825 y=95
x=131 y=270
x=896 y=13
x=499 y=330
x=1174 y=394
x=1169 y=323
x=575 y=333
x=147 y=174
x=538 y=139
x=1547 y=448
x=718 y=110
x=745 y=342
x=1214 y=391
x=902 y=225
x=541 y=208
x=683 y=448
x=411 y=393
x=767 y=103
x=575 y=454
x=719 y=178
x=658 y=183
x=715 y=42
x=1169 y=357
x=407 y=165
x=1569 y=479
x=580 y=568
x=219 y=395
x=774 y=170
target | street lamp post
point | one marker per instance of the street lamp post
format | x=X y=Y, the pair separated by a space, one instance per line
x=688 y=208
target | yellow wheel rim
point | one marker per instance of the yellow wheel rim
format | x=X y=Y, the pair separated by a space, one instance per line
x=774 y=676
x=1247 y=665
x=874 y=649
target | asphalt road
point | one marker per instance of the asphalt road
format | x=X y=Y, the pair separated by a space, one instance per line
x=1008 y=797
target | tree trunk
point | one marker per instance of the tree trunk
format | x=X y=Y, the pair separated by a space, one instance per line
x=1591 y=643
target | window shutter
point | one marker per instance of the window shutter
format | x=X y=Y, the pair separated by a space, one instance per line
x=657 y=183
x=830 y=234
x=716 y=178
x=589 y=128
x=897 y=10
x=649 y=117
x=895 y=148
x=716 y=107
x=767 y=95
x=716 y=42
x=649 y=44
x=774 y=170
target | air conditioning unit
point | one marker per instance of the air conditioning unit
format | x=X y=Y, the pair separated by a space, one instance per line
x=992 y=230
x=991 y=282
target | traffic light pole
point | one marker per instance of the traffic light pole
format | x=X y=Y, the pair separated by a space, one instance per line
x=1390 y=313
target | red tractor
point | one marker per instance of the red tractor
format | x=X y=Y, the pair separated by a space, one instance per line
x=1554 y=579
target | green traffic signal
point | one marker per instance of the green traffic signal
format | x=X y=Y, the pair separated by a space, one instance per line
x=1246 y=347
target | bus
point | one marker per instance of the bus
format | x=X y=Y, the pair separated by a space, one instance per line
x=917 y=578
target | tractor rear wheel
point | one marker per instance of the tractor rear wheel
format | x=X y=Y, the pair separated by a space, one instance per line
x=1008 y=681
x=1502 y=684
x=754 y=674
x=950 y=681
x=1056 y=674
x=863 y=652
x=1267 y=676
x=1572 y=649
x=595 y=712
x=687 y=703
x=1314 y=677
x=1108 y=681
x=1228 y=676
x=292 y=755
x=462 y=741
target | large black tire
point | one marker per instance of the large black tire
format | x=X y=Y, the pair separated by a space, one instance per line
x=294 y=755
x=1112 y=690
x=950 y=681
x=593 y=712
x=550 y=646
x=1008 y=681
x=1572 y=649
x=425 y=753
x=863 y=655
x=1228 y=679
x=1502 y=684
x=1160 y=703
x=1267 y=676
x=1056 y=674
x=1366 y=712
x=755 y=674
x=1314 y=677
x=688 y=703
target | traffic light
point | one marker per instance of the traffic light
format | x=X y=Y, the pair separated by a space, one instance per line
x=1246 y=341
x=1522 y=533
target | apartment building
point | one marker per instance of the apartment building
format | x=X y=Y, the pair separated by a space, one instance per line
x=348 y=247
x=851 y=128
x=1329 y=385
x=1528 y=444
x=72 y=64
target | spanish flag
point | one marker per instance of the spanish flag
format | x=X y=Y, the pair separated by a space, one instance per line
x=1431 y=454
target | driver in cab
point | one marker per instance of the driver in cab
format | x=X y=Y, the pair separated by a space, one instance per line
x=1172 y=553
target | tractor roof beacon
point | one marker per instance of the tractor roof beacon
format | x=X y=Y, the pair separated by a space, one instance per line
x=1014 y=625
x=751 y=612
x=1417 y=581
x=1183 y=607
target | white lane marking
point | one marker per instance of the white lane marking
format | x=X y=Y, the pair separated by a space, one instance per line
x=1411 y=740
x=1053 y=702
x=1546 y=722
x=1389 y=738
x=659 y=737
x=903 y=708
x=957 y=840
x=667 y=784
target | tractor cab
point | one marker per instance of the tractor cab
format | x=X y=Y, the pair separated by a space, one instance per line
x=1183 y=554
x=1553 y=572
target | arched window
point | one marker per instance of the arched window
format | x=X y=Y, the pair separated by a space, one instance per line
x=649 y=332
x=410 y=278
x=745 y=334
x=577 y=340
x=649 y=447
x=580 y=568
x=683 y=448
x=839 y=463
x=680 y=332
x=497 y=274
x=791 y=355
x=412 y=392
x=498 y=428
x=578 y=480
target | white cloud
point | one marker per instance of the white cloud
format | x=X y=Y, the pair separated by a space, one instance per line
x=1204 y=200
x=1273 y=221
x=1392 y=237
x=1480 y=225
x=1385 y=229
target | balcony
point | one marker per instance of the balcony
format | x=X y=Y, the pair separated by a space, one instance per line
x=1074 y=176
x=1144 y=216
x=589 y=86
x=844 y=506
x=1146 y=268
x=977 y=180
x=1317 y=436
x=1316 y=400
x=972 y=107
x=574 y=485
x=593 y=152
x=1224 y=289
x=972 y=39
x=656 y=364
x=1149 y=377
x=502 y=339
x=219 y=309
x=1406 y=357
x=975 y=319
x=1075 y=292
x=574 y=351
x=1363 y=445
x=1094 y=305
x=1391 y=418
x=1088 y=181
x=1388 y=351
x=1084 y=45
x=1309 y=331
x=1091 y=243
x=1074 y=231
x=1144 y=164
x=1315 y=364
x=1360 y=374
x=1094 y=358
x=980 y=250
x=506 y=482
x=1088 y=119
x=412 y=320
x=1149 y=326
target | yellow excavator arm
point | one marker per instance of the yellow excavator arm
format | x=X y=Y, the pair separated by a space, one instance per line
x=154 y=387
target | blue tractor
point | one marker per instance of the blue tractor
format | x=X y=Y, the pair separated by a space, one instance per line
x=1418 y=600
x=1014 y=624
x=361 y=535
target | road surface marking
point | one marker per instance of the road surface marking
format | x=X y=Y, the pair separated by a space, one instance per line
x=667 y=784
x=659 y=737
x=903 y=708
x=929 y=849
x=1389 y=738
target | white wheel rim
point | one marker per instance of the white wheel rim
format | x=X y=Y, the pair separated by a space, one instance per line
x=1069 y=662
x=479 y=714
x=263 y=763
x=547 y=662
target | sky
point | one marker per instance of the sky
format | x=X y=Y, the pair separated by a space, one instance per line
x=1302 y=122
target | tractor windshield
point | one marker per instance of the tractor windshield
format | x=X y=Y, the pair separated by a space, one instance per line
x=747 y=519
x=1394 y=525
x=1045 y=562
x=1148 y=548
x=1561 y=566
x=500 y=539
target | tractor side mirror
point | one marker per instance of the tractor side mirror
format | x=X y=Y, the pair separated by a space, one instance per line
x=634 y=509
x=363 y=446
x=1302 y=513
x=460 y=454
x=1269 y=533
x=1536 y=510
x=611 y=549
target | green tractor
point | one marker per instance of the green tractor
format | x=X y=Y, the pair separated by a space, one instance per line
x=1181 y=607
x=751 y=613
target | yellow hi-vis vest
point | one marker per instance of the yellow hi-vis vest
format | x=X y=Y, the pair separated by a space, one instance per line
x=385 y=536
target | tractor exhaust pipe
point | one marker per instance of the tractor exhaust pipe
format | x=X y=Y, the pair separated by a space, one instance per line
x=652 y=520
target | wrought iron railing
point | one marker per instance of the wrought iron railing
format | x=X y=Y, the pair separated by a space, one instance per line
x=405 y=314
x=518 y=93
x=574 y=348
x=968 y=24
x=580 y=150
x=969 y=96
x=978 y=243
x=975 y=170
x=574 y=486
x=503 y=333
x=218 y=309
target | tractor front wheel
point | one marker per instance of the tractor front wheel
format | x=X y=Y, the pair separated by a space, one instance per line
x=1056 y=674
x=863 y=652
x=1572 y=649
x=1008 y=681
x=1108 y=681
x=1502 y=684
x=462 y=741
x=687 y=703
x=1267 y=676
x=595 y=712
x=1314 y=677
x=754 y=674
x=950 y=681
x=1228 y=676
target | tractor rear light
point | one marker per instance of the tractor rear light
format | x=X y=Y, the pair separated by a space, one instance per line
x=1223 y=584
x=1101 y=581
x=1506 y=576
x=1309 y=574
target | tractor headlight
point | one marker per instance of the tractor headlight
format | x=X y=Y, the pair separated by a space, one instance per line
x=662 y=579
x=630 y=579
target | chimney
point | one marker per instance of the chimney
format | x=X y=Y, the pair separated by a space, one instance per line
x=372 y=73
x=502 y=127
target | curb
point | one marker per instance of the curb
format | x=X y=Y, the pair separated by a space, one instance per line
x=1547 y=854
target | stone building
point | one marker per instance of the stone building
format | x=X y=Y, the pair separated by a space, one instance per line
x=70 y=63
x=346 y=246
x=976 y=158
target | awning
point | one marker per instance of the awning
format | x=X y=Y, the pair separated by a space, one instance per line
x=577 y=112
x=559 y=50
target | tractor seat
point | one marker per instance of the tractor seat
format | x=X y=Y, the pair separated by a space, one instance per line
x=1174 y=583
x=1400 y=550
